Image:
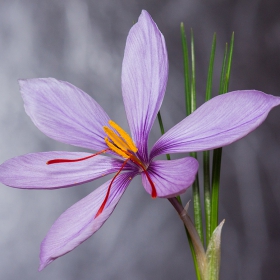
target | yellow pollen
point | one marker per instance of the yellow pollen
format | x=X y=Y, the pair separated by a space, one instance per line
x=117 y=140
x=120 y=142
x=115 y=148
x=125 y=136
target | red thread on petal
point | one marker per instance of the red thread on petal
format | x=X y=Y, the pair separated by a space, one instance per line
x=62 y=160
x=154 y=191
x=101 y=208
x=136 y=161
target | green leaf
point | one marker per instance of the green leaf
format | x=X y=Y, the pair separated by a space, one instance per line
x=195 y=186
x=217 y=156
x=213 y=254
x=186 y=70
x=206 y=154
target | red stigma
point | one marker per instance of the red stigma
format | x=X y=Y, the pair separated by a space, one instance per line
x=62 y=160
x=153 y=194
x=154 y=191
x=131 y=157
x=101 y=208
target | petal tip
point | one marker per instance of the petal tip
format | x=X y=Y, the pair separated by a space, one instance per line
x=146 y=17
x=41 y=267
x=144 y=13
x=44 y=263
x=22 y=83
x=45 y=256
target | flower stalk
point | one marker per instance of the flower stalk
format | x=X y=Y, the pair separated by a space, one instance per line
x=208 y=262
x=178 y=206
x=195 y=238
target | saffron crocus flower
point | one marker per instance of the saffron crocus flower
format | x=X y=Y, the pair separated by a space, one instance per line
x=67 y=114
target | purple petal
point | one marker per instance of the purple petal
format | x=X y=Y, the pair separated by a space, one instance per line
x=218 y=122
x=78 y=222
x=171 y=177
x=31 y=171
x=64 y=112
x=144 y=78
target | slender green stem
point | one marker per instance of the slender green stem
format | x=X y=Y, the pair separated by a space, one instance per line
x=197 y=205
x=188 y=100
x=195 y=262
x=180 y=202
x=162 y=129
x=217 y=156
x=196 y=267
x=207 y=195
x=186 y=70
x=226 y=83
x=195 y=242
x=206 y=154
x=195 y=186
x=223 y=72
x=217 y=159
x=210 y=70
x=193 y=92
x=190 y=96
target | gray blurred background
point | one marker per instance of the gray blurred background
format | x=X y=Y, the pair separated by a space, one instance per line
x=82 y=42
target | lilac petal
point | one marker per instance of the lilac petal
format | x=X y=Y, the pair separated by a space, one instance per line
x=218 y=122
x=144 y=78
x=78 y=222
x=31 y=171
x=171 y=177
x=64 y=112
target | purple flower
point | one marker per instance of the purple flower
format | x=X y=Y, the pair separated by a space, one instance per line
x=67 y=114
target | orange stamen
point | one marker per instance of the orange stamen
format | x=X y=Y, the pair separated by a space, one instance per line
x=100 y=210
x=61 y=160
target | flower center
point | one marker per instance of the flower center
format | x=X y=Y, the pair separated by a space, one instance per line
x=121 y=144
